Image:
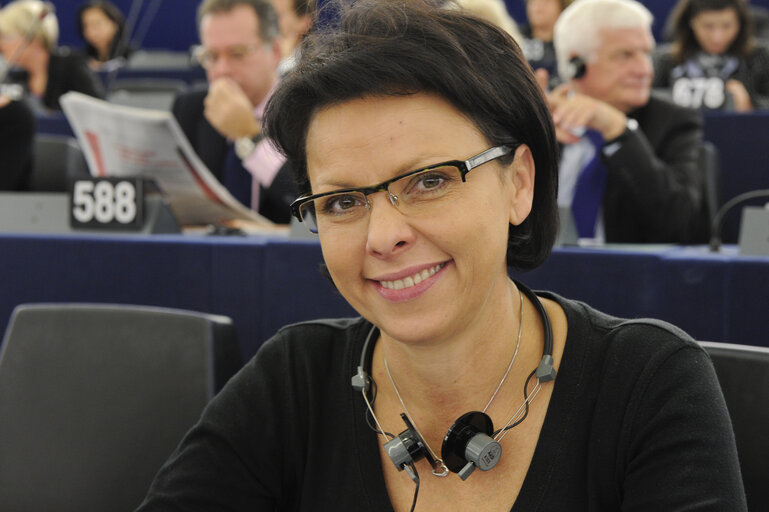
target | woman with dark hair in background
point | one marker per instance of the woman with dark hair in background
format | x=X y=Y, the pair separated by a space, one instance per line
x=538 y=36
x=100 y=24
x=29 y=32
x=714 y=61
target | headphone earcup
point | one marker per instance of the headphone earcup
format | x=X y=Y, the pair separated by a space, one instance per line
x=577 y=67
x=468 y=444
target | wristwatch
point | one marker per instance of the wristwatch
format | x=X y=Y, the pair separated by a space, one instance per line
x=244 y=146
x=611 y=146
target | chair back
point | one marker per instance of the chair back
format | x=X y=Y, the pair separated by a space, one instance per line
x=58 y=159
x=160 y=59
x=151 y=93
x=94 y=398
x=743 y=372
x=711 y=169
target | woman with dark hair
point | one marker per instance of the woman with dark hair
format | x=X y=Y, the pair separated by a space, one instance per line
x=100 y=24
x=538 y=36
x=714 y=61
x=428 y=161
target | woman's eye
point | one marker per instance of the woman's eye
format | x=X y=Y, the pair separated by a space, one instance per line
x=431 y=180
x=342 y=203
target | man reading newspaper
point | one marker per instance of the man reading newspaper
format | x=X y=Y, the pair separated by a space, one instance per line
x=240 y=54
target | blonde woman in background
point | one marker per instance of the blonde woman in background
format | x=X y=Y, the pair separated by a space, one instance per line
x=29 y=33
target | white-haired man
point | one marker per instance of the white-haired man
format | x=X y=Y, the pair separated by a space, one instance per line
x=629 y=166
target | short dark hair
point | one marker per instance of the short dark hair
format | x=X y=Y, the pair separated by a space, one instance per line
x=685 y=43
x=265 y=13
x=381 y=47
x=112 y=13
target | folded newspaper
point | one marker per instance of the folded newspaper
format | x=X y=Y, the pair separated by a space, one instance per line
x=127 y=141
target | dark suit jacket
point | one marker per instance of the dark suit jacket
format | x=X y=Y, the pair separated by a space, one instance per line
x=212 y=149
x=655 y=190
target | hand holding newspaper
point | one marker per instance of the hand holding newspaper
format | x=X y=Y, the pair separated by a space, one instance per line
x=126 y=141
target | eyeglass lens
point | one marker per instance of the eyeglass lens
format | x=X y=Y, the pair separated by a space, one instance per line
x=413 y=194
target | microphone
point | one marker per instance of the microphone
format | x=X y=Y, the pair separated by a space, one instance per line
x=715 y=228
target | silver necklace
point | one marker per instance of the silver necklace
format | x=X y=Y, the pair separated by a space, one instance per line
x=439 y=468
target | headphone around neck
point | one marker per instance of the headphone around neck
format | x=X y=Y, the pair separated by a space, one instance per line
x=468 y=443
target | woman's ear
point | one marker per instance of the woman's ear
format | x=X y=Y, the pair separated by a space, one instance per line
x=523 y=185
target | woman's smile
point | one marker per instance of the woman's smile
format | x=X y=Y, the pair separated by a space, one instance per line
x=409 y=284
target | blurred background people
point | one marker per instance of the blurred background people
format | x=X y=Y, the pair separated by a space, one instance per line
x=629 y=169
x=29 y=33
x=494 y=11
x=294 y=20
x=240 y=53
x=17 y=133
x=100 y=24
x=538 y=36
x=714 y=62
x=759 y=15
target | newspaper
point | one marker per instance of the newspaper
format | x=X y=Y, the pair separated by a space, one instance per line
x=127 y=141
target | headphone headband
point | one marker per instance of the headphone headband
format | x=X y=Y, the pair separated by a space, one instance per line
x=545 y=371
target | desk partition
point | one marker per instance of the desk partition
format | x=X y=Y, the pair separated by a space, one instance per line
x=263 y=283
x=741 y=140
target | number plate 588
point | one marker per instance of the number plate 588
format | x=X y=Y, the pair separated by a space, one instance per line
x=107 y=203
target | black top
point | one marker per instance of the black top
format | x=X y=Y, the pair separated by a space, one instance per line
x=67 y=71
x=540 y=54
x=636 y=422
x=655 y=190
x=17 y=133
x=116 y=49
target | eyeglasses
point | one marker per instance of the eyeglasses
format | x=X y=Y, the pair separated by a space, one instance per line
x=235 y=54
x=414 y=193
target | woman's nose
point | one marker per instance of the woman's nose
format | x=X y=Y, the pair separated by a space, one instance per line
x=389 y=231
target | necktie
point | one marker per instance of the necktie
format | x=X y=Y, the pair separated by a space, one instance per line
x=588 y=193
x=235 y=178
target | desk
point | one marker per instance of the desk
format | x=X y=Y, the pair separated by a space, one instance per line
x=263 y=283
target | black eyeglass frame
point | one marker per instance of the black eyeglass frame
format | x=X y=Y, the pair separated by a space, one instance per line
x=463 y=166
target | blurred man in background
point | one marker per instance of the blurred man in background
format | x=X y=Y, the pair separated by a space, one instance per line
x=629 y=168
x=240 y=53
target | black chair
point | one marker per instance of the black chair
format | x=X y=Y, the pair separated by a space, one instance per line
x=743 y=372
x=711 y=169
x=152 y=93
x=94 y=398
x=58 y=159
x=160 y=59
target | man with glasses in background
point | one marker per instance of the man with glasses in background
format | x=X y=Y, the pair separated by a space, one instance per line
x=240 y=53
